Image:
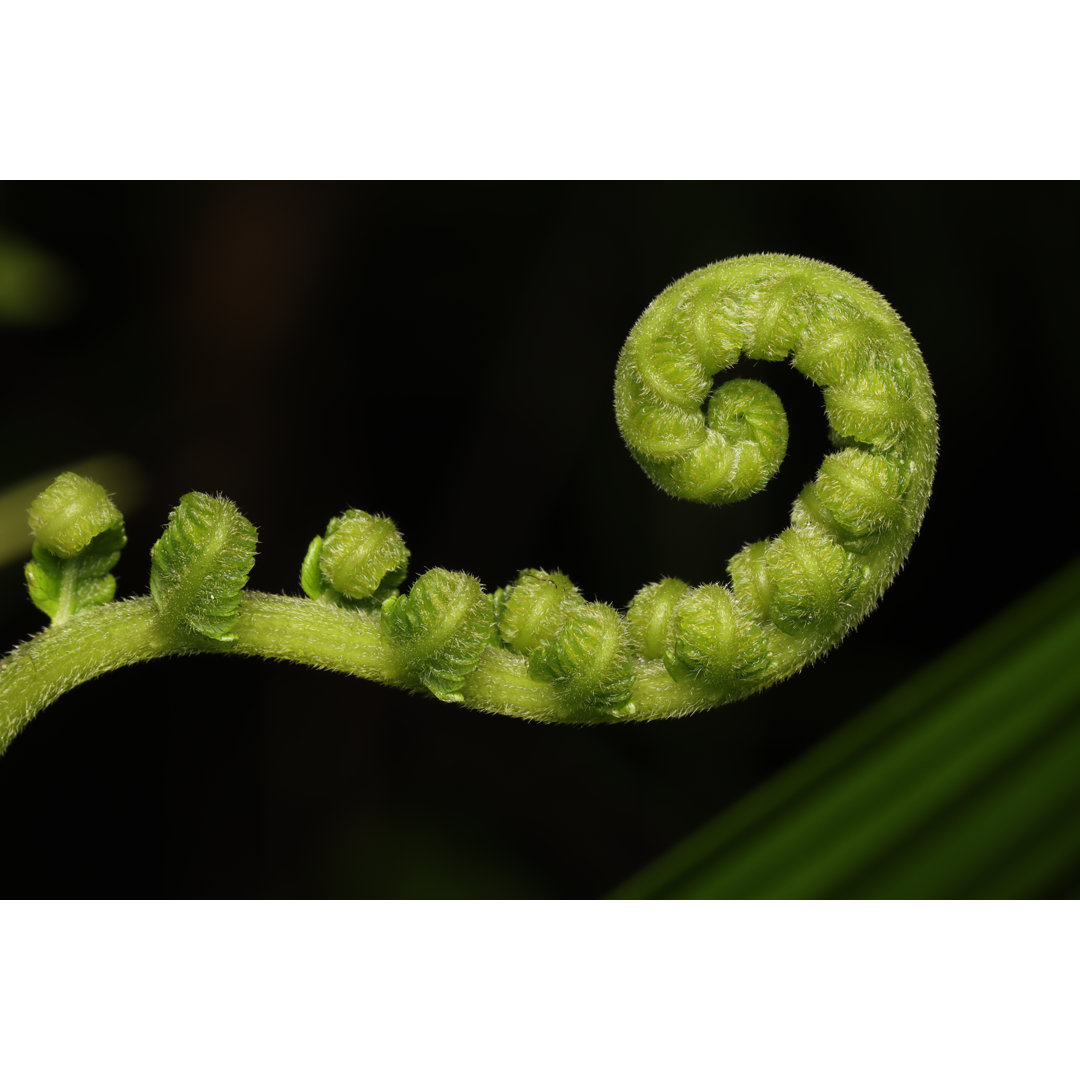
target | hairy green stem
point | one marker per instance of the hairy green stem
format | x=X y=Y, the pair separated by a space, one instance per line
x=102 y=639
x=36 y=673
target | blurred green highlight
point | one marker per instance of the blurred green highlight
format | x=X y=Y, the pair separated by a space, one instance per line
x=963 y=783
x=35 y=288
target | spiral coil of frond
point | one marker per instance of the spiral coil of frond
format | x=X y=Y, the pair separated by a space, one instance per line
x=538 y=648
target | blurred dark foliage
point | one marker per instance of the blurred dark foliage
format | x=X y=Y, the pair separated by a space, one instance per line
x=444 y=353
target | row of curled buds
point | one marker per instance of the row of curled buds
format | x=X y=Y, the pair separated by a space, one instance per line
x=698 y=634
x=435 y=633
x=78 y=535
x=580 y=648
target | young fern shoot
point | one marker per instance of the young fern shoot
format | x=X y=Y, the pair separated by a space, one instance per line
x=538 y=649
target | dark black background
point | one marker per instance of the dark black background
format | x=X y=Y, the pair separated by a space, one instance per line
x=444 y=353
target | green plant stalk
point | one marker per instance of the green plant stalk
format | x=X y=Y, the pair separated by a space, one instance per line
x=36 y=673
x=116 y=635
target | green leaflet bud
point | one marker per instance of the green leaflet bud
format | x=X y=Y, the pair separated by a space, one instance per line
x=590 y=661
x=870 y=407
x=782 y=309
x=651 y=616
x=713 y=641
x=860 y=492
x=438 y=630
x=750 y=581
x=841 y=342
x=673 y=377
x=361 y=557
x=70 y=512
x=311 y=579
x=814 y=581
x=200 y=566
x=78 y=536
x=534 y=607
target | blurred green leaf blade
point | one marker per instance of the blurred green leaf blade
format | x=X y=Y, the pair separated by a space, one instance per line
x=960 y=783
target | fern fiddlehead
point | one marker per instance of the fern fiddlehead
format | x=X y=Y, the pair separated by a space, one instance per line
x=538 y=649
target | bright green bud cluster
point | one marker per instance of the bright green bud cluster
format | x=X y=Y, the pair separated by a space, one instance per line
x=361 y=557
x=582 y=649
x=78 y=536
